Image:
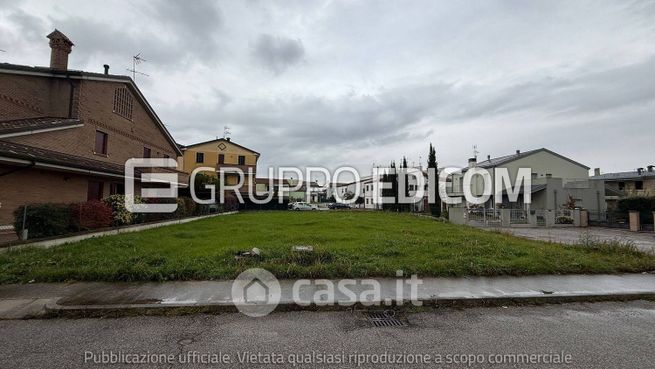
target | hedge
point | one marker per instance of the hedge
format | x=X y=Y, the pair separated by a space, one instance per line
x=644 y=205
x=43 y=220
x=47 y=220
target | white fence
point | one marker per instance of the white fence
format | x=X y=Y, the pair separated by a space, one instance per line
x=516 y=217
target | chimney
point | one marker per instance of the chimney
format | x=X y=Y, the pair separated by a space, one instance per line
x=60 y=47
x=596 y=171
x=640 y=170
x=229 y=140
x=518 y=152
x=472 y=162
x=650 y=168
x=106 y=66
x=489 y=157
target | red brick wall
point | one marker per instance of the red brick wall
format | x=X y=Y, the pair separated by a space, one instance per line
x=127 y=138
x=38 y=186
x=29 y=97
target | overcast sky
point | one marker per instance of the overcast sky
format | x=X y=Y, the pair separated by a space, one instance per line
x=362 y=82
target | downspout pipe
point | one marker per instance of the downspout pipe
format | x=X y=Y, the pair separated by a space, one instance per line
x=70 y=97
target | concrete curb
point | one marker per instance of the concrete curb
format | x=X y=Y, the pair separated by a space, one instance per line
x=128 y=229
x=55 y=310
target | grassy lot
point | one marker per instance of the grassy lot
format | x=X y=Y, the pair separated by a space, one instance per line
x=347 y=244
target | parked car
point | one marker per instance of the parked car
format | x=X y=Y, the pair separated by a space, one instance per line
x=302 y=206
x=338 y=205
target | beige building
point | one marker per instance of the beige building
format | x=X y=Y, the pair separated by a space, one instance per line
x=640 y=182
x=219 y=154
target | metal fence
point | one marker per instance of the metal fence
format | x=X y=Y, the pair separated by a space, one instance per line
x=484 y=216
x=541 y=217
x=518 y=216
x=608 y=219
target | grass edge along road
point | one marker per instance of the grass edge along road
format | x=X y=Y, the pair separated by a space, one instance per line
x=353 y=244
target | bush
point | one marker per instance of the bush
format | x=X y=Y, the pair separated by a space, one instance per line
x=231 y=203
x=611 y=246
x=188 y=206
x=644 y=205
x=120 y=215
x=90 y=215
x=43 y=220
x=563 y=219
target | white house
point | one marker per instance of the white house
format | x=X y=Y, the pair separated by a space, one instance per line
x=554 y=178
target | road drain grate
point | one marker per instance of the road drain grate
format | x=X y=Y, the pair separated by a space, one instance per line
x=383 y=319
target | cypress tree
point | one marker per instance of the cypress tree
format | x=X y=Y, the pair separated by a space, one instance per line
x=435 y=208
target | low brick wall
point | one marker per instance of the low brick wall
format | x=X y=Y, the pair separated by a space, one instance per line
x=133 y=228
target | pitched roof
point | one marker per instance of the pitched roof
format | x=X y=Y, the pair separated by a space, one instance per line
x=218 y=140
x=39 y=155
x=494 y=162
x=620 y=176
x=36 y=124
x=81 y=75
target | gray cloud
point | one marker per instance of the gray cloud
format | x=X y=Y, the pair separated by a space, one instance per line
x=33 y=28
x=374 y=81
x=277 y=53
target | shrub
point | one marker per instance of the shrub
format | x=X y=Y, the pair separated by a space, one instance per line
x=645 y=206
x=611 y=246
x=188 y=205
x=564 y=220
x=90 y=215
x=231 y=203
x=120 y=215
x=43 y=220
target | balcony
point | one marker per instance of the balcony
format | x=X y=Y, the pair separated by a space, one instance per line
x=243 y=168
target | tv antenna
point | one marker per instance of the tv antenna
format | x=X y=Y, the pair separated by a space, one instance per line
x=475 y=152
x=3 y=51
x=226 y=132
x=137 y=59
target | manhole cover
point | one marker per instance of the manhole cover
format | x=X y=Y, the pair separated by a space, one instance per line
x=383 y=319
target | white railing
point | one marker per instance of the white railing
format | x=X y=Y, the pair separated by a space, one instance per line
x=518 y=216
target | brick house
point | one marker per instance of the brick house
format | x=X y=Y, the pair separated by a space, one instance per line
x=65 y=134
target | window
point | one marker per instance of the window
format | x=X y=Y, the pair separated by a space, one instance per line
x=101 y=143
x=242 y=160
x=116 y=189
x=200 y=157
x=146 y=152
x=639 y=185
x=123 y=103
x=221 y=158
x=94 y=191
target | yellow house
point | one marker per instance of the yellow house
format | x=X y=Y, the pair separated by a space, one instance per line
x=218 y=154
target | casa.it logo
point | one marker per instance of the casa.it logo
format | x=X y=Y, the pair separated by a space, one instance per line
x=256 y=292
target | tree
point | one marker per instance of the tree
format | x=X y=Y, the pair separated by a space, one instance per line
x=392 y=191
x=435 y=208
x=403 y=167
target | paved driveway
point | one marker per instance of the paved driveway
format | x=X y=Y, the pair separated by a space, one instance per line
x=643 y=240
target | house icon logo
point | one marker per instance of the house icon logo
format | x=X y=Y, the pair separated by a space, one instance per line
x=256 y=292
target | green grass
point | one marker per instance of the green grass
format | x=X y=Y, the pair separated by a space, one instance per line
x=347 y=244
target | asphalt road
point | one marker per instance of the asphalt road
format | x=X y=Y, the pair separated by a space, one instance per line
x=593 y=335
